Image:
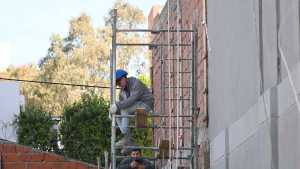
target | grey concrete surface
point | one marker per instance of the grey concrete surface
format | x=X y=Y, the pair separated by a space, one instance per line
x=235 y=65
x=289 y=32
x=254 y=153
x=233 y=61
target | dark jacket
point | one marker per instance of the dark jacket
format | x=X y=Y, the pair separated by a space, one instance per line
x=135 y=91
x=125 y=164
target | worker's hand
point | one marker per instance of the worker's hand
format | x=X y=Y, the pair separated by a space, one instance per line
x=113 y=109
x=134 y=164
x=140 y=166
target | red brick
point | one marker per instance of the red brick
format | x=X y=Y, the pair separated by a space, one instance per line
x=53 y=165
x=10 y=157
x=9 y=148
x=34 y=165
x=91 y=167
x=189 y=8
x=53 y=158
x=37 y=157
x=81 y=166
x=1 y=148
x=23 y=149
x=31 y=157
x=24 y=157
x=20 y=165
x=69 y=164
x=9 y=165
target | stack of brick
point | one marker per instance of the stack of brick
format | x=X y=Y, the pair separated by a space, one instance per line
x=14 y=156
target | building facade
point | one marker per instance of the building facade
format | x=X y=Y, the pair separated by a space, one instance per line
x=10 y=105
x=172 y=79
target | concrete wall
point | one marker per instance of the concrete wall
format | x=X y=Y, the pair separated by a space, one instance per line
x=254 y=121
x=10 y=103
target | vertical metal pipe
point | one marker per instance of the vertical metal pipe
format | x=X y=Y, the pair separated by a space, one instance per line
x=278 y=20
x=178 y=82
x=261 y=47
x=170 y=106
x=99 y=162
x=106 y=159
x=162 y=85
x=111 y=77
x=192 y=102
x=194 y=97
x=205 y=108
x=113 y=88
x=162 y=82
x=163 y=88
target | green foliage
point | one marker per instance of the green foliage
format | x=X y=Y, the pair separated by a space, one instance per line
x=145 y=79
x=86 y=129
x=129 y=16
x=143 y=137
x=34 y=128
x=81 y=57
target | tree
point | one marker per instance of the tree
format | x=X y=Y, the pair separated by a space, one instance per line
x=31 y=91
x=85 y=128
x=129 y=17
x=35 y=129
x=145 y=79
x=77 y=58
x=82 y=57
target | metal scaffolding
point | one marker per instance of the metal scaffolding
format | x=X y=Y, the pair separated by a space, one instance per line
x=175 y=97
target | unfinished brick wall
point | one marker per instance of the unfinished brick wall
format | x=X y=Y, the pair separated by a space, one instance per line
x=192 y=13
x=14 y=156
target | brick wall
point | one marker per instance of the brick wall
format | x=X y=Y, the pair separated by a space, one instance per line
x=155 y=10
x=191 y=13
x=14 y=156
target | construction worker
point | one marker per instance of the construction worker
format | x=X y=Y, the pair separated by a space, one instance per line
x=136 y=161
x=134 y=94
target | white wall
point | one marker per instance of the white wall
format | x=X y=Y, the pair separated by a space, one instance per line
x=10 y=102
x=249 y=126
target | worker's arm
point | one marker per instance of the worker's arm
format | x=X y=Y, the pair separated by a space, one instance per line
x=135 y=93
x=148 y=164
x=125 y=164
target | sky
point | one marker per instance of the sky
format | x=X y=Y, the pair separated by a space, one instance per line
x=26 y=26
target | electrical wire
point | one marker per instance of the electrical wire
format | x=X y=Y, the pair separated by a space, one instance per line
x=54 y=83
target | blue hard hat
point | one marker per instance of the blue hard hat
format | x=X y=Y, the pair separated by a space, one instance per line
x=120 y=73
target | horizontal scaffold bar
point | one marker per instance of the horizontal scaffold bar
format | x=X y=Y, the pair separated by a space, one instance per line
x=152 y=115
x=180 y=59
x=152 y=45
x=153 y=158
x=161 y=127
x=151 y=148
x=177 y=87
x=164 y=127
x=177 y=72
x=154 y=31
x=177 y=99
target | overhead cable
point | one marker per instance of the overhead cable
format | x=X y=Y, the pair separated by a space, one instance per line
x=54 y=83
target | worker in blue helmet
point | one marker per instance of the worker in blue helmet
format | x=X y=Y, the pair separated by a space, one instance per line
x=134 y=94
